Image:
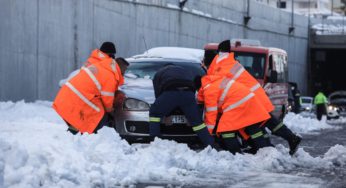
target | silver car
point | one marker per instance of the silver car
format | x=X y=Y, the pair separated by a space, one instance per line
x=133 y=100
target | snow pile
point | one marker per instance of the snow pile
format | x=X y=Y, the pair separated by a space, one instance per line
x=304 y=125
x=174 y=52
x=336 y=155
x=329 y=29
x=35 y=150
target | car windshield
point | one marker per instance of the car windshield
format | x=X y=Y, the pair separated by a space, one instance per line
x=252 y=62
x=306 y=100
x=147 y=69
x=334 y=97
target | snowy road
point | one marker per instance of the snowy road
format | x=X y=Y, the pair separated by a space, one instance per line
x=35 y=150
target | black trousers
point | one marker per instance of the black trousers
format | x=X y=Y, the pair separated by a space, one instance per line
x=321 y=109
x=105 y=121
x=170 y=100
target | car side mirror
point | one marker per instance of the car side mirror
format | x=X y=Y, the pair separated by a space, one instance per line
x=273 y=77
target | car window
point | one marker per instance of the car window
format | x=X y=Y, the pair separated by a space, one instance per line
x=147 y=69
x=306 y=100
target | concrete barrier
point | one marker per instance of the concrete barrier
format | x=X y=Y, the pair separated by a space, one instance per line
x=42 y=41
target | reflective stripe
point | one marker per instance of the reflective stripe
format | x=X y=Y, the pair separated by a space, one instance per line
x=259 y=134
x=210 y=109
x=236 y=67
x=225 y=91
x=198 y=127
x=224 y=83
x=154 y=119
x=113 y=66
x=255 y=87
x=221 y=57
x=210 y=126
x=278 y=127
x=84 y=99
x=93 y=78
x=240 y=102
x=101 y=55
x=228 y=135
x=106 y=93
x=205 y=87
x=238 y=73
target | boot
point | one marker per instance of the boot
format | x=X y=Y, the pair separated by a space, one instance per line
x=231 y=143
x=204 y=135
x=292 y=139
x=293 y=144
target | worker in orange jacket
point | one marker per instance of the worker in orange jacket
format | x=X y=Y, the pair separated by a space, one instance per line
x=84 y=100
x=239 y=110
x=225 y=64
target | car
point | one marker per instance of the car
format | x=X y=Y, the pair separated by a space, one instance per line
x=306 y=104
x=132 y=102
x=337 y=104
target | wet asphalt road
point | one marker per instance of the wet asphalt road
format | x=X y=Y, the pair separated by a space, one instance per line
x=317 y=145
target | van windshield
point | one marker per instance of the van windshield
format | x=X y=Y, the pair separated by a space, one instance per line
x=252 y=62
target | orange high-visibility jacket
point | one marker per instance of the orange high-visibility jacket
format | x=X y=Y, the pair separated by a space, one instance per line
x=237 y=103
x=83 y=100
x=226 y=65
x=96 y=56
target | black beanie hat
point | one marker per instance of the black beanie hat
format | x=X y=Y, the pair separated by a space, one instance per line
x=108 y=48
x=224 y=46
x=208 y=57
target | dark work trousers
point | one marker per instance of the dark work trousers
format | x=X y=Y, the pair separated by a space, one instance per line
x=278 y=128
x=105 y=121
x=186 y=101
x=231 y=142
x=320 y=110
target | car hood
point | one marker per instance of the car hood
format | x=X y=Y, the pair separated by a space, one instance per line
x=139 y=88
x=341 y=102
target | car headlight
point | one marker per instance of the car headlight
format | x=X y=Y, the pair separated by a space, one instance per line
x=332 y=108
x=135 y=105
x=289 y=108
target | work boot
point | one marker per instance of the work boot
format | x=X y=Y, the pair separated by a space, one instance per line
x=232 y=144
x=204 y=135
x=292 y=139
x=293 y=144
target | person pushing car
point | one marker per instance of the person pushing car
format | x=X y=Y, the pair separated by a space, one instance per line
x=174 y=88
x=85 y=100
x=225 y=64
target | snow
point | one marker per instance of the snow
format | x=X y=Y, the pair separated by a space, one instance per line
x=174 y=52
x=305 y=125
x=329 y=29
x=36 y=150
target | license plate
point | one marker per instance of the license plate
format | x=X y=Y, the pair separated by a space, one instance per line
x=178 y=119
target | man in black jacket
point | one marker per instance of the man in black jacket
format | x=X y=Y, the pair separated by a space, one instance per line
x=174 y=88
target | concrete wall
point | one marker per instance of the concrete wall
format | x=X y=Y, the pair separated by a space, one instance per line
x=43 y=40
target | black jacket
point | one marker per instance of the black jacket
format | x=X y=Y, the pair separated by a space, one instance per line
x=172 y=77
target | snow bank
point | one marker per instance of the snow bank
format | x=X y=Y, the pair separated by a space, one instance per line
x=35 y=150
x=304 y=125
x=329 y=29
